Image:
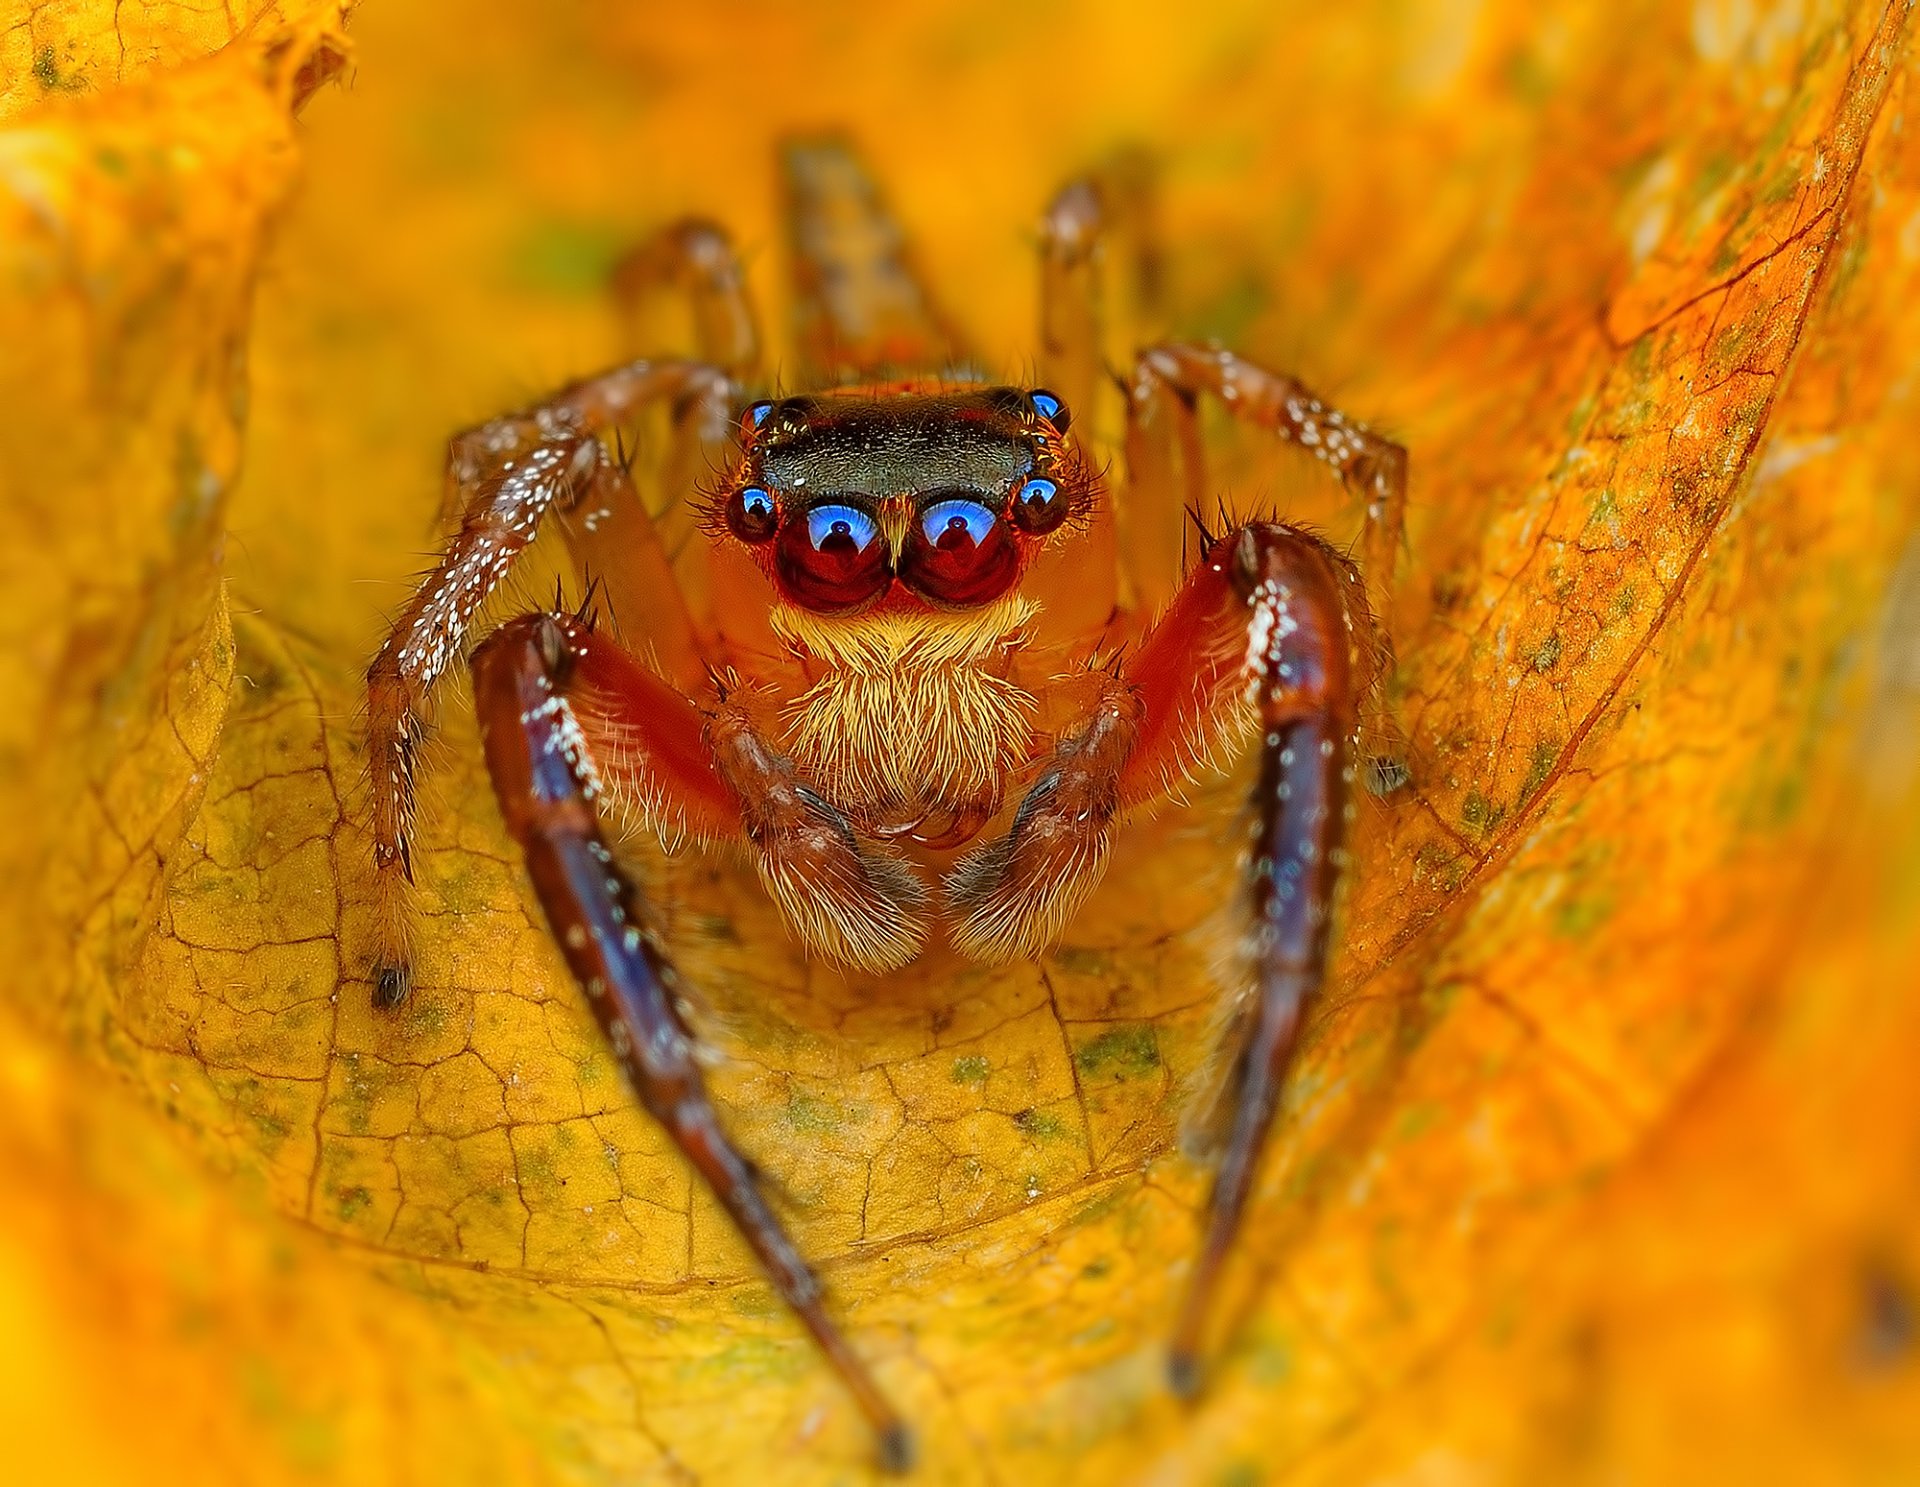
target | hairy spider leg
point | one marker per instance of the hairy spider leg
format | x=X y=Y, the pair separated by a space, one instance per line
x=694 y=260
x=710 y=772
x=1309 y=650
x=1271 y=631
x=1167 y=381
x=1164 y=447
x=862 y=307
x=1166 y=470
x=506 y=476
x=547 y=781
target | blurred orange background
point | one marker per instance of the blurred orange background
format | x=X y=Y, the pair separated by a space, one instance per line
x=1603 y=1157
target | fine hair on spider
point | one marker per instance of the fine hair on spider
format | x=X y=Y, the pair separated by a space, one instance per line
x=907 y=641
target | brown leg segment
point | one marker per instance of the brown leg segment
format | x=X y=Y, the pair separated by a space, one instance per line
x=1161 y=426
x=547 y=782
x=694 y=260
x=1308 y=652
x=1270 y=630
x=503 y=478
x=862 y=308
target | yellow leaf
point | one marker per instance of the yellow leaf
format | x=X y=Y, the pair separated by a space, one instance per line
x=1600 y=1158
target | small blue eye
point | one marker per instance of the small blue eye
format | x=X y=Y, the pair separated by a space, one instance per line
x=757 y=412
x=752 y=515
x=949 y=524
x=1038 y=506
x=842 y=527
x=1047 y=404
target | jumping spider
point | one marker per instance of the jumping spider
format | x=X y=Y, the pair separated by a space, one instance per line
x=896 y=663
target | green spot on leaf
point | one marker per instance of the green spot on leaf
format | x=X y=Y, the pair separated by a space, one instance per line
x=1121 y=1052
x=567 y=257
x=1040 y=1125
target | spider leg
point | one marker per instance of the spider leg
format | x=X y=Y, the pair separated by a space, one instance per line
x=693 y=261
x=547 y=781
x=711 y=772
x=504 y=478
x=695 y=258
x=1100 y=233
x=1077 y=583
x=861 y=305
x=1072 y=327
x=1306 y=674
x=1270 y=632
x=1166 y=464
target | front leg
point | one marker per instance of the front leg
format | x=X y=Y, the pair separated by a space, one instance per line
x=504 y=479
x=1271 y=633
x=709 y=771
x=1160 y=428
x=548 y=781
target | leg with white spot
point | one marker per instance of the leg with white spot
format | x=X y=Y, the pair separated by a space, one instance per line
x=1166 y=469
x=504 y=478
x=1269 y=636
x=1372 y=467
x=547 y=782
x=1305 y=673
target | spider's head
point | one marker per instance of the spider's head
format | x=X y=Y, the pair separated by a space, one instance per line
x=903 y=496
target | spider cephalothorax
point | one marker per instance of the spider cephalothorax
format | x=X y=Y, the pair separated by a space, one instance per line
x=894 y=663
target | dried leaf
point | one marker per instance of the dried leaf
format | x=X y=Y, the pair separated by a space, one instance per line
x=1600 y=1160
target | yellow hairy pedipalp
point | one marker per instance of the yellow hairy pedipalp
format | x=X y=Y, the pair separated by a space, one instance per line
x=911 y=713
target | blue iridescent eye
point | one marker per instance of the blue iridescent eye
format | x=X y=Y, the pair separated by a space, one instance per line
x=950 y=524
x=1038 y=506
x=1050 y=408
x=845 y=527
x=960 y=554
x=756 y=413
x=832 y=561
x=752 y=515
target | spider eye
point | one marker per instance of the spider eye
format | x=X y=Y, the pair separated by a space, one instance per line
x=832 y=558
x=755 y=415
x=956 y=526
x=1051 y=408
x=960 y=553
x=1039 y=506
x=751 y=514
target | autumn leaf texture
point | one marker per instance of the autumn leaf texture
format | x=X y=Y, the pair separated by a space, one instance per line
x=1601 y=1159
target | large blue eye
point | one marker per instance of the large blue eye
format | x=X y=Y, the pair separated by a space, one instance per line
x=960 y=554
x=952 y=525
x=847 y=528
x=832 y=561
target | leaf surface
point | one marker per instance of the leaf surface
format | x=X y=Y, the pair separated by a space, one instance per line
x=1600 y=1159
